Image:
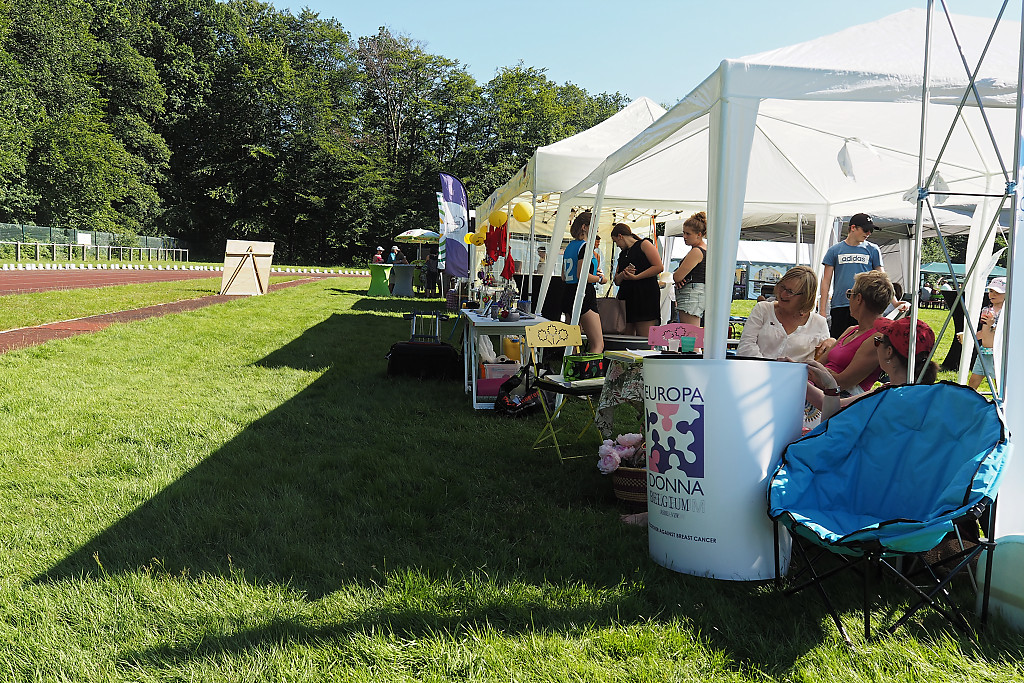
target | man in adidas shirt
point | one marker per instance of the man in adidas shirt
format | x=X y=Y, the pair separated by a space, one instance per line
x=843 y=261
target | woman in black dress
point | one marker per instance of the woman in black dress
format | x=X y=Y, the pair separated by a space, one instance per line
x=637 y=277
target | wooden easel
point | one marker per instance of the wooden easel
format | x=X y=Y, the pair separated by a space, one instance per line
x=246 y=267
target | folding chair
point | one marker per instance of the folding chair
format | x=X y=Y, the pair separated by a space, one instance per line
x=554 y=335
x=888 y=477
x=659 y=335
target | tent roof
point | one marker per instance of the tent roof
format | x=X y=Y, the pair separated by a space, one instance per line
x=822 y=99
x=890 y=226
x=882 y=61
x=828 y=127
x=560 y=165
x=757 y=252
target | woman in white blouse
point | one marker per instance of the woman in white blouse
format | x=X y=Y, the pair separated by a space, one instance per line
x=788 y=327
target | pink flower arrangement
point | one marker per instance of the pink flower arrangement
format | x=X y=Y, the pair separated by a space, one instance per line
x=626 y=450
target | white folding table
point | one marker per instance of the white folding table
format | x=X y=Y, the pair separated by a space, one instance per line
x=477 y=325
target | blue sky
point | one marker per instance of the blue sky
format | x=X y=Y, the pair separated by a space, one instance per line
x=658 y=48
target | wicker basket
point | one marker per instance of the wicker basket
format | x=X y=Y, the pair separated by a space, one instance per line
x=630 y=487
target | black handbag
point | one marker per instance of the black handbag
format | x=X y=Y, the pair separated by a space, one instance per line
x=514 y=403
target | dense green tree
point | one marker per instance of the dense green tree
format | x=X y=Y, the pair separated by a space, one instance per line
x=581 y=111
x=211 y=120
x=133 y=96
x=523 y=114
x=75 y=166
x=422 y=113
x=17 y=125
x=187 y=40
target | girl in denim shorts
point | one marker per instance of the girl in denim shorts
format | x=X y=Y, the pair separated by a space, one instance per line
x=690 y=276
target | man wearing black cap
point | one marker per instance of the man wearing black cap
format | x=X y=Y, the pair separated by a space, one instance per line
x=844 y=260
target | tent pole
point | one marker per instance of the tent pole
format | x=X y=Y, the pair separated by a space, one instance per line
x=561 y=219
x=799 y=237
x=1010 y=519
x=1011 y=366
x=731 y=134
x=584 y=267
x=823 y=228
x=915 y=265
x=531 y=250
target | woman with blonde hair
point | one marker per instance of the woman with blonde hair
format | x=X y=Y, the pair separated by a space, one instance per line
x=853 y=363
x=690 y=275
x=788 y=327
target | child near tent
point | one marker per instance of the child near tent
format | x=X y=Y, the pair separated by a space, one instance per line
x=987 y=337
x=845 y=260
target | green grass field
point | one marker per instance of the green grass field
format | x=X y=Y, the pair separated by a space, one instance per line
x=38 y=308
x=240 y=493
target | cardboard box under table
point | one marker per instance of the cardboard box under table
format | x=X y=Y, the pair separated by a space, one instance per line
x=492 y=376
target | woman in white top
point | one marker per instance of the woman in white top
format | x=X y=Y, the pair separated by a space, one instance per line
x=788 y=327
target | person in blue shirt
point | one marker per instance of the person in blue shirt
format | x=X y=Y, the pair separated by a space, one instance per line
x=572 y=267
x=843 y=261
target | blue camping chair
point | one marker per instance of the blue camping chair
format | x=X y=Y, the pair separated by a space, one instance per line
x=889 y=476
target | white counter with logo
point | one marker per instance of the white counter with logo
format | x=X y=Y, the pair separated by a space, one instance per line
x=715 y=430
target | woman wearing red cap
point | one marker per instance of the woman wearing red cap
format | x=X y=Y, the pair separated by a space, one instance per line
x=892 y=347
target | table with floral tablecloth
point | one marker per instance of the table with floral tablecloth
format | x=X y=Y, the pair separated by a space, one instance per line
x=623 y=383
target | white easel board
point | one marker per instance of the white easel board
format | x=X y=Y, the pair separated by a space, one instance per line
x=246 y=267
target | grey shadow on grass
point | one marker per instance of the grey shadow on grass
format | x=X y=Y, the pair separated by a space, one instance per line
x=358 y=477
x=354 y=475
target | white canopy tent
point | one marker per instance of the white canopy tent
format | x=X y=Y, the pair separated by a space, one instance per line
x=826 y=128
x=894 y=234
x=560 y=165
x=831 y=127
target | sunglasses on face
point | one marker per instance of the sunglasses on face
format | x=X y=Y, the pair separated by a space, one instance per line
x=850 y=293
x=879 y=339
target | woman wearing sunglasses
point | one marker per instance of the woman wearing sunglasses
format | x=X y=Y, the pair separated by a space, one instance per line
x=787 y=327
x=891 y=348
x=853 y=363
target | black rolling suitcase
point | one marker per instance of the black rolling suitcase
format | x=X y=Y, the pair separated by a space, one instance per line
x=425 y=355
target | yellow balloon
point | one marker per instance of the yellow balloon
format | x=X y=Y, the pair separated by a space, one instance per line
x=497 y=218
x=468 y=238
x=479 y=240
x=482 y=229
x=523 y=212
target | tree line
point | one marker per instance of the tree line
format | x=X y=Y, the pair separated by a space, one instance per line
x=209 y=120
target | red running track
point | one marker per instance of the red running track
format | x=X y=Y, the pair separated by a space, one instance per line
x=25 y=281
x=31 y=336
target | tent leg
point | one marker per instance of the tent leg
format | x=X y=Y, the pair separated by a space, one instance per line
x=869 y=568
